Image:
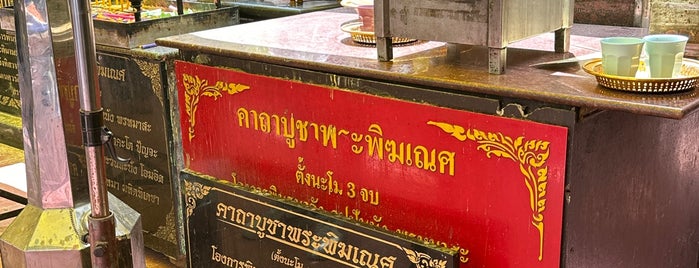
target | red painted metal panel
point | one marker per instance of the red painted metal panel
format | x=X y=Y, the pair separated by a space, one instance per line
x=492 y=186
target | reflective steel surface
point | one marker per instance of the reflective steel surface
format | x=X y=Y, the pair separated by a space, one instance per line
x=41 y=112
x=50 y=231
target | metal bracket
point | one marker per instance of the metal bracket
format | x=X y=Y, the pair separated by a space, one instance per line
x=96 y=134
x=107 y=139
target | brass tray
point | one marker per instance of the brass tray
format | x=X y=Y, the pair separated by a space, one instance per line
x=689 y=78
x=364 y=37
x=356 y=3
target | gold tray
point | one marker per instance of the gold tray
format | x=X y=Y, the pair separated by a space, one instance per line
x=364 y=37
x=689 y=76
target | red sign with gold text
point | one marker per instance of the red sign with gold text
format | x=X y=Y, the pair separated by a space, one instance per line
x=492 y=186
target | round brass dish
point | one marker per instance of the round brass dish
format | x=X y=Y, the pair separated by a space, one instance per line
x=689 y=78
x=356 y=3
x=364 y=37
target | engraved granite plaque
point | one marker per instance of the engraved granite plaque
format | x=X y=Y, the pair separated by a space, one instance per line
x=133 y=96
x=231 y=227
x=9 y=85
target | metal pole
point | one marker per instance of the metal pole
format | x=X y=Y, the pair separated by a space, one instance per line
x=180 y=7
x=57 y=182
x=101 y=224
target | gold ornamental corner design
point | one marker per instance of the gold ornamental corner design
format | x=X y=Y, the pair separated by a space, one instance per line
x=531 y=156
x=423 y=260
x=194 y=191
x=195 y=88
x=152 y=71
x=167 y=232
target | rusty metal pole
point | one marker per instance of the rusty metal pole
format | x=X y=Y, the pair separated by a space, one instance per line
x=101 y=221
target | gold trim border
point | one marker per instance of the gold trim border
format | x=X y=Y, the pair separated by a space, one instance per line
x=531 y=156
x=195 y=88
x=152 y=71
x=194 y=191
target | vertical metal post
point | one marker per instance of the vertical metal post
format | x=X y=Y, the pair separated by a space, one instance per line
x=49 y=231
x=382 y=30
x=101 y=221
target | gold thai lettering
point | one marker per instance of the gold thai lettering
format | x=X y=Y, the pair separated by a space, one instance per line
x=111 y=73
x=302 y=127
x=355 y=215
x=146 y=151
x=10 y=102
x=424 y=159
x=370 y=196
x=243 y=118
x=218 y=257
x=368 y=259
x=345 y=251
x=396 y=152
x=446 y=160
x=4 y=62
x=375 y=144
x=324 y=183
x=289 y=130
x=240 y=217
x=70 y=94
x=422 y=238
x=151 y=174
x=133 y=123
x=9 y=77
x=328 y=243
x=292 y=129
x=288 y=261
x=139 y=193
x=351 y=192
x=330 y=135
x=8 y=37
x=265 y=124
x=112 y=184
x=294 y=234
x=272 y=191
x=71 y=128
x=288 y=127
x=400 y=152
x=108 y=116
x=123 y=166
x=125 y=143
x=302 y=238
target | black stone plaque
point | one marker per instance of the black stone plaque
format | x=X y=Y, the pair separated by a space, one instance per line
x=9 y=84
x=228 y=226
x=137 y=112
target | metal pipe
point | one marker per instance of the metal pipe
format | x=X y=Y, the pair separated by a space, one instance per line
x=101 y=222
x=136 y=5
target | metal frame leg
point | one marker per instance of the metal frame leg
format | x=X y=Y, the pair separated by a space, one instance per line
x=562 y=40
x=497 y=60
